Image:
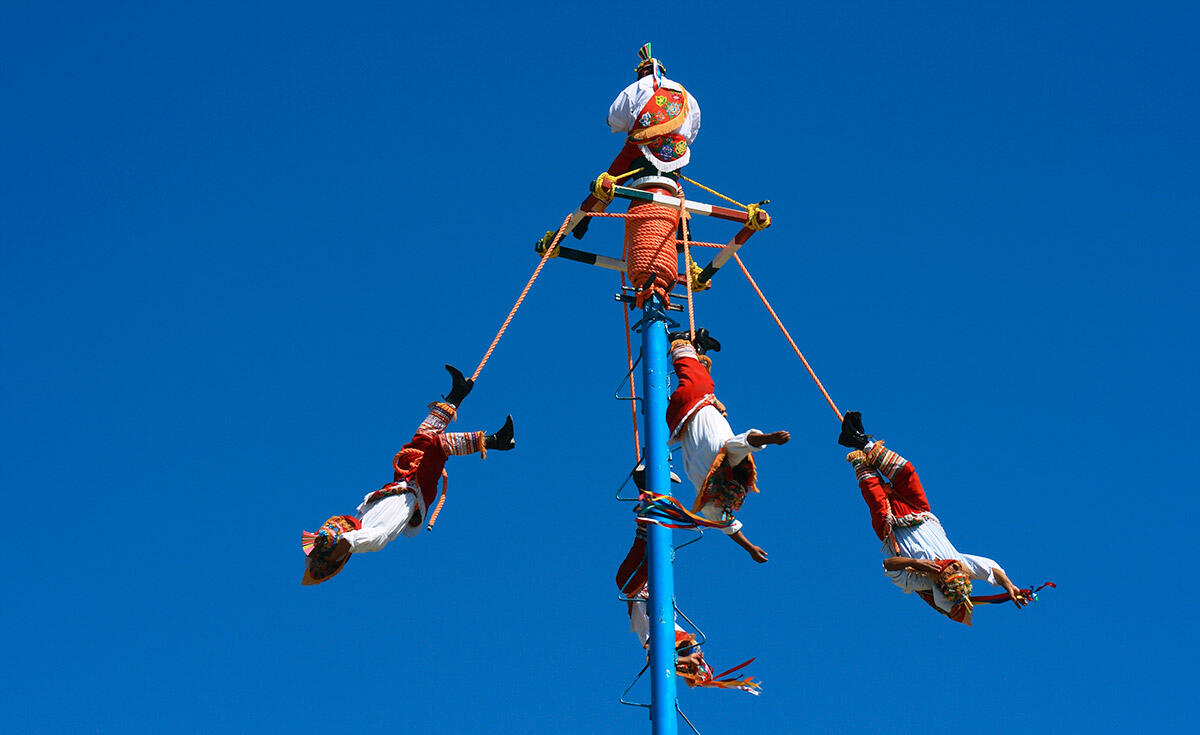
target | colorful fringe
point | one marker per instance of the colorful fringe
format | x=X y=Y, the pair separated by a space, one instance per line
x=727 y=485
x=328 y=535
x=440 y=416
x=462 y=443
x=706 y=678
x=862 y=470
x=885 y=460
x=664 y=510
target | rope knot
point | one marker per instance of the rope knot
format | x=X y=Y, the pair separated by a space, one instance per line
x=600 y=191
x=752 y=220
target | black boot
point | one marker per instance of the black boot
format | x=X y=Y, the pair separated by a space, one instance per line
x=853 y=435
x=675 y=336
x=461 y=387
x=502 y=440
x=705 y=342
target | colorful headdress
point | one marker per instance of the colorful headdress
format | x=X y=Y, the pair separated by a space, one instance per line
x=701 y=674
x=646 y=61
x=956 y=587
x=317 y=547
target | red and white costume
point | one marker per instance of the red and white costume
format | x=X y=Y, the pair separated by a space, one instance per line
x=902 y=519
x=716 y=460
x=661 y=120
x=631 y=580
x=398 y=507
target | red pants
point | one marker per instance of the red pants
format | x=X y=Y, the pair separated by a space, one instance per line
x=429 y=471
x=904 y=496
x=632 y=574
x=624 y=159
x=694 y=384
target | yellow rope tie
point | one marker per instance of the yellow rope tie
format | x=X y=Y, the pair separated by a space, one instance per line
x=546 y=241
x=713 y=192
x=598 y=185
x=752 y=218
x=694 y=278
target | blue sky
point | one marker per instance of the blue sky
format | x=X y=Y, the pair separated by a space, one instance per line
x=241 y=241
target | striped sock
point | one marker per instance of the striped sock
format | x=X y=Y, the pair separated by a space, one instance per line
x=683 y=348
x=440 y=416
x=858 y=461
x=462 y=442
x=885 y=460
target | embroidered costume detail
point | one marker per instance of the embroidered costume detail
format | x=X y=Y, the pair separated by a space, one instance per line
x=727 y=486
x=662 y=114
x=390 y=489
x=463 y=443
x=885 y=460
x=319 y=564
x=910 y=520
x=328 y=535
x=440 y=416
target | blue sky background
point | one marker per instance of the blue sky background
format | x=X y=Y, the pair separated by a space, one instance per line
x=240 y=241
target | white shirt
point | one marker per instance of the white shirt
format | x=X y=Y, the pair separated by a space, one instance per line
x=386 y=519
x=928 y=541
x=707 y=434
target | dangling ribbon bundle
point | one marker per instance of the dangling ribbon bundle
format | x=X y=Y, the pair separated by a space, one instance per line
x=706 y=678
x=1028 y=595
x=664 y=510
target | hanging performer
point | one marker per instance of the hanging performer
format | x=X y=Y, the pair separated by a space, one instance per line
x=660 y=120
x=399 y=506
x=690 y=665
x=919 y=556
x=717 y=461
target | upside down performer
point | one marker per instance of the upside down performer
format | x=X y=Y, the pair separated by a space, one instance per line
x=399 y=506
x=690 y=665
x=919 y=556
x=716 y=460
x=659 y=118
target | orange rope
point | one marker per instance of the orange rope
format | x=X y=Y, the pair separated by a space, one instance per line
x=545 y=256
x=637 y=442
x=789 y=337
x=441 y=501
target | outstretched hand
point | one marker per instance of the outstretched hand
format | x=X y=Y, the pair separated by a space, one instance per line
x=1015 y=595
x=762 y=440
x=757 y=553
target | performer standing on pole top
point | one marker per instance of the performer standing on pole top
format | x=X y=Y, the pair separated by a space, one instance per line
x=660 y=120
x=717 y=461
x=399 y=506
x=919 y=556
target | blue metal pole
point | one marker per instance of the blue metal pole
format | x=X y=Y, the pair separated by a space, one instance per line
x=659 y=542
